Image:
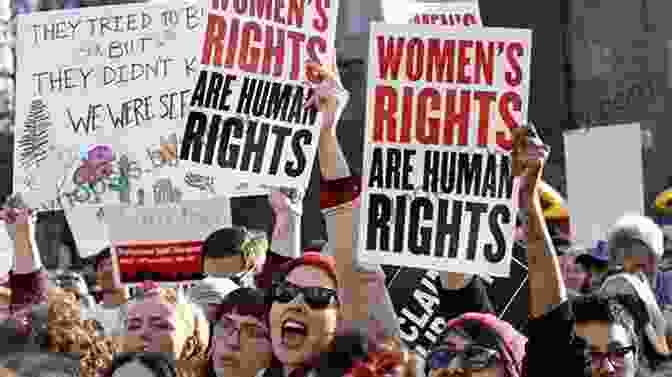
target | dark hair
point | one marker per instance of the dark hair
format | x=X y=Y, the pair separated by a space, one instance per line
x=104 y=254
x=246 y=301
x=595 y=307
x=29 y=332
x=225 y=242
x=160 y=364
x=38 y=364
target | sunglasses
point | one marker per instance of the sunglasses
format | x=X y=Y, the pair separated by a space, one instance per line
x=315 y=297
x=472 y=357
x=616 y=357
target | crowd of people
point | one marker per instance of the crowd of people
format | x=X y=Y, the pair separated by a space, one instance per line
x=268 y=309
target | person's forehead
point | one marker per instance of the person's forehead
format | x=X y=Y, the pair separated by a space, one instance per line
x=135 y=369
x=242 y=319
x=601 y=334
x=151 y=307
x=310 y=276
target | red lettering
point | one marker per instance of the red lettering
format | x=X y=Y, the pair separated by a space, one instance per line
x=232 y=47
x=463 y=61
x=407 y=115
x=513 y=52
x=295 y=13
x=322 y=22
x=415 y=51
x=416 y=19
x=385 y=113
x=441 y=61
x=485 y=99
x=214 y=39
x=435 y=19
x=274 y=49
x=240 y=6
x=459 y=118
x=315 y=44
x=389 y=57
x=506 y=100
x=277 y=17
x=484 y=62
x=469 y=19
x=262 y=9
x=297 y=39
x=423 y=121
x=249 y=55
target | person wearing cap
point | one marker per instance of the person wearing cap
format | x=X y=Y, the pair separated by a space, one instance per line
x=210 y=293
x=596 y=262
x=635 y=245
x=236 y=254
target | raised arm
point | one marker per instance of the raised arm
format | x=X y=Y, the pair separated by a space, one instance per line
x=547 y=289
x=28 y=280
x=286 y=239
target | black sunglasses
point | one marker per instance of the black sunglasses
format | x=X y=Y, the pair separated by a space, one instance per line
x=315 y=297
x=472 y=357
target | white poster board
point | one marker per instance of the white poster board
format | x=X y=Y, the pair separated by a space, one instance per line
x=6 y=251
x=118 y=75
x=88 y=229
x=604 y=178
x=247 y=121
x=190 y=220
x=451 y=14
x=436 y=194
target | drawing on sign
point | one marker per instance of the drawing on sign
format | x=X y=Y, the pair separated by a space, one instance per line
x=34 y=141
x=165 y=192
x=201 y=182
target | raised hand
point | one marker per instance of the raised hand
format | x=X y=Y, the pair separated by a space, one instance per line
x=327 y=88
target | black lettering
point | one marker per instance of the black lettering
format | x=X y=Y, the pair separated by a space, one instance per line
x=199 y=92
x=281 y=134
x=416 y=231
x=216 y=82
x=257 y=148
x=476 y=209
x=499 y=214
x=231 y=124
x=376 y=173
x=301 y=138
x=246 y=96
x=193 y=136
x=445 y=228
x=490 y=178
x=378 y=228
x=469 y=174
x=399 y=223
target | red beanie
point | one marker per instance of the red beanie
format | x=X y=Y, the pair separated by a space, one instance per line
x=323 y=262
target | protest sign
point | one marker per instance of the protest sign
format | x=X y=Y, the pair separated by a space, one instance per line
x=161 y=261
x=247 y=120
x=190 y=220
x=436 y=194
x=118 y=75
x=88 y=229
x=6 y=251
x=596 y=196
x=456 y=14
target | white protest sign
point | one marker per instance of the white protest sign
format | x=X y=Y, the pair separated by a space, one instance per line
x=190 y=220
x=435 y=194
x=6 y=251
x=88 y=229
x=119 y=75
x=603 y=183
x=247 y=122
x=452 y=14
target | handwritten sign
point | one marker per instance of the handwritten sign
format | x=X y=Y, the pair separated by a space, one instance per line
x=248 y=122
x=436 y=194
x=191 y=220
x=109 y=75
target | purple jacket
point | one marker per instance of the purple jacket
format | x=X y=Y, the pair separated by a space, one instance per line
x=664 y=288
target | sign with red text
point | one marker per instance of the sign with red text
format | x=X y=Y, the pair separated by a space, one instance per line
x=437 y=193
x=247 y=121
x=160 y=261
x=451 y=14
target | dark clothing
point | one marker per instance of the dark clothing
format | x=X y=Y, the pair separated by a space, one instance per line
x=471 y=299
x=28 y=289
x=553 y=345
x=273 y=262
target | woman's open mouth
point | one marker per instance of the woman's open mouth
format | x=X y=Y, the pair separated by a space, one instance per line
x=294 y=333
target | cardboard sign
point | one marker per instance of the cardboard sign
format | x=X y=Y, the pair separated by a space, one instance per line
x=436 y=194
x=596 y=195
x=160 y=261
x=191 y=220
x=450 y=14
x=118 y=75
x=247 y=121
